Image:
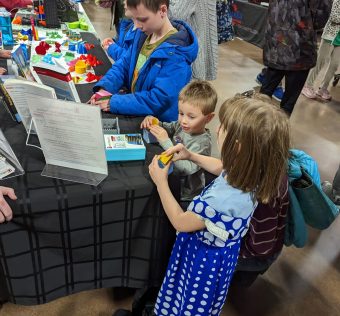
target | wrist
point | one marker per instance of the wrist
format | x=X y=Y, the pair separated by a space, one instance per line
x=162 y=186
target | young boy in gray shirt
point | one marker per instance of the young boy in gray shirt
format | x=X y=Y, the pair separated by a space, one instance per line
x=196 y=106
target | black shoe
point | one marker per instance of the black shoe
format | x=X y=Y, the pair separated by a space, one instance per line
x=122 y=312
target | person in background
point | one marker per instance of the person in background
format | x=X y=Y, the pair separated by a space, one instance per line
x=225 y=30
x=209 y=235
x=263 y=243
x=125 y=36
x=155 y=68
x=5 y=210
x=329 y=54
x=196 y=106
x=333 y=189
x=12 y=5
x=290 y=48
x=117 y=11
x=201 y=16
x=278 y=92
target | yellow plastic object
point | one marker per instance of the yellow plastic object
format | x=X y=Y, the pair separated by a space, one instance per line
x=22 y=37
x=75 y=79
x=80 y=67
x=155 y=121
x=163 y=160
x=74 y=25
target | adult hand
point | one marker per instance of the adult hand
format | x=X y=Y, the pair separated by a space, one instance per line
x=4 y=53
x=158 y=175
x=147 y=122
x=159 y=132
x=5 y=210
x=107 y=42
x=179 y=152
x=2 y=71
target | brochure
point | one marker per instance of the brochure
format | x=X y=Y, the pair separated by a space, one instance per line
x=18 y=90
x=9 y=164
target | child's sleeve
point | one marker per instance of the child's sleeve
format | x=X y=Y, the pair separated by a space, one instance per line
x=170 y=129
x=115 y=51
x=222 y=225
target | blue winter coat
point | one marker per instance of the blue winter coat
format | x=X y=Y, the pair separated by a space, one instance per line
x=165 y=73
x=123 y=41
x=300 y=159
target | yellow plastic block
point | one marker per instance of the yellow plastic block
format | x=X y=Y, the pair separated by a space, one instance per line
x=80 y=67
x=163 y=159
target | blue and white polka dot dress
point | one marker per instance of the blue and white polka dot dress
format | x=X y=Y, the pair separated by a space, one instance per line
x=202 y=264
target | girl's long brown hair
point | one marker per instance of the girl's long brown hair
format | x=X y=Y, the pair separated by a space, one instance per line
x=256 y=147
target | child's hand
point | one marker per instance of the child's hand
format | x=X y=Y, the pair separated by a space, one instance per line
x=93 y=99
x=179 y=152
x=147 y=122
x=158 y=175
x=103 y=104
x=107 y=42
x=2 y=71
x=159 y=132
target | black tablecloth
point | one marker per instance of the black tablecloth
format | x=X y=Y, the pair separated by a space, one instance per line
x=67 y=237
x=249 y=22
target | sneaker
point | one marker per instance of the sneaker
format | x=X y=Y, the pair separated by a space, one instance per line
x=327 y=188
x=278 y=93
x=260 y=78
x=324 y=94
x=334 y=196
x=308 y=92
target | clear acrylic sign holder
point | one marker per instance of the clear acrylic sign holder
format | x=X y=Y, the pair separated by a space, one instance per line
x=71 y=138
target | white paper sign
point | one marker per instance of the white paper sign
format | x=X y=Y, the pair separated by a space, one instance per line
x=70 y=134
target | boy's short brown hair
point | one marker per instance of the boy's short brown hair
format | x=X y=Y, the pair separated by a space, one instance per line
x=152 y=5
x=201 y=94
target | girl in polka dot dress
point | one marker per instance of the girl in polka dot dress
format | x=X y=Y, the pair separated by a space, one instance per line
x=254 y=141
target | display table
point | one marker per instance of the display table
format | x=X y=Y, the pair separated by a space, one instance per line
x=249 y=21
x=67 y=237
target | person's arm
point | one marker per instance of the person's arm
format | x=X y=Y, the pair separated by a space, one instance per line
x=11 y=4
x=115 y=51
x=5 y=210
x=210 y=164
x=117 y=75
x=188 y=167
x=180 y=220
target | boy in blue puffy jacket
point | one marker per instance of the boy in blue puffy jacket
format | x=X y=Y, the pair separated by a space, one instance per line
x=155 y=68
x=126 y=34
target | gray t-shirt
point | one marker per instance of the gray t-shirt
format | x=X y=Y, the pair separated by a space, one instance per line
x=201 y=144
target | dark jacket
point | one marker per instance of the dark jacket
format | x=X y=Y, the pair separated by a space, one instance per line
x=265 y=236
x=290 y=40
x=165 y=73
